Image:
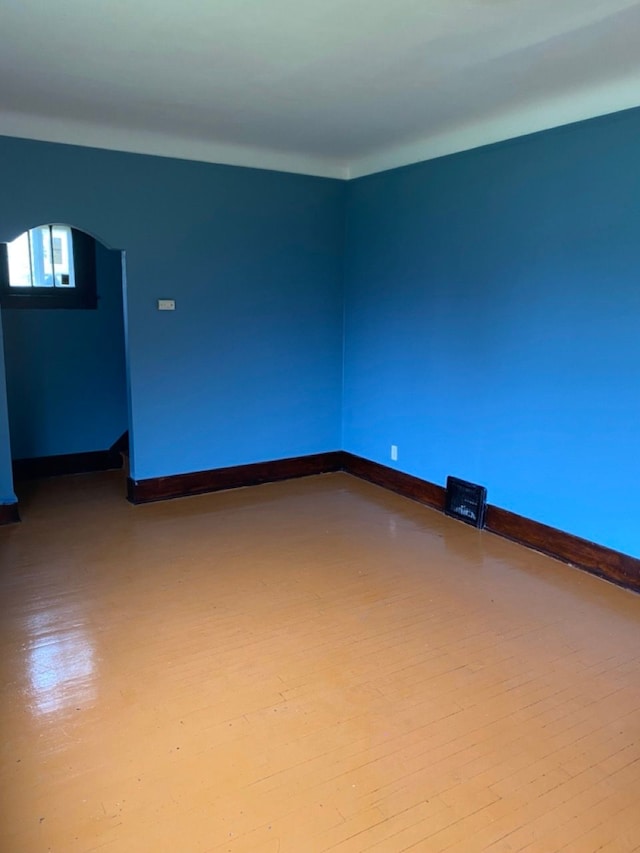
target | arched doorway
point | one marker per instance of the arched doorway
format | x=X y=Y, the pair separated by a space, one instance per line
x=66 y=364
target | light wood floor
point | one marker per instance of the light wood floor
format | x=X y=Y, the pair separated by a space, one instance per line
x=308 y=666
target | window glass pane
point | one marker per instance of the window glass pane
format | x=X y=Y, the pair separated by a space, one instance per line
x=57 y=251
x=41 y=260
x=62 y=244
x=19 y=261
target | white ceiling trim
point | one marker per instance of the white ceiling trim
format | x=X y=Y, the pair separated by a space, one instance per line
x=46 y=129
x=563 y=110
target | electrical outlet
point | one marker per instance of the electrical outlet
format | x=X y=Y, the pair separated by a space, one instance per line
x=166 y=304
x=394 y=452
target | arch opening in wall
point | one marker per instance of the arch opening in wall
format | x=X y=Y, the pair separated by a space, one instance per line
x=67 y=375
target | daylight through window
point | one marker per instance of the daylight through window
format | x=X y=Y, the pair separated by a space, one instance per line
x=42 y=257
x=51 y=266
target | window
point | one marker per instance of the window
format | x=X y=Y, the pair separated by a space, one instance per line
x=52 y=266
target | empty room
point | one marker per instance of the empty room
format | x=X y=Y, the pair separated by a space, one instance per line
x=319 y=426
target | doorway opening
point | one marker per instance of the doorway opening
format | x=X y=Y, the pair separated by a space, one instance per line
x=63 y=296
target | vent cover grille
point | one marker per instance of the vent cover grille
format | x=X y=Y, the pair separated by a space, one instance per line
x=466 y=501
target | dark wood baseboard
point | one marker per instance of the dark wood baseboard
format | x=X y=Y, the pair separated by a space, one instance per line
x=597 y=559
x=237 y=476
x=9 y=513
x=614 y=566
x=403 y=484
x=67 y=463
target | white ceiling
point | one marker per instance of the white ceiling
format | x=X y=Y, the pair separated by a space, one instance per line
x=328 y=87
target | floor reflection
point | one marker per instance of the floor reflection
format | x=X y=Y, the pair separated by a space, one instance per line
x=61 y=665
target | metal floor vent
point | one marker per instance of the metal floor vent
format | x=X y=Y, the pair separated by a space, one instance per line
x=466 y=501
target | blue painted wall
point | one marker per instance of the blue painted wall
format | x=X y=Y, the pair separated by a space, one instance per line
x=249 y=366
x=491 y=304
x=492 y=311
x=7 y=495
x=65 y=370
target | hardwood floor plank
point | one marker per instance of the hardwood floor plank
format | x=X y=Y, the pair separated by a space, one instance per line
x=305 y=666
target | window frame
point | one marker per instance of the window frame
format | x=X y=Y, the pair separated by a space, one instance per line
x=83 y=296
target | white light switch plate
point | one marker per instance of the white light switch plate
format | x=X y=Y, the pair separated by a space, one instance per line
x=166 y=304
